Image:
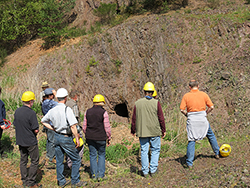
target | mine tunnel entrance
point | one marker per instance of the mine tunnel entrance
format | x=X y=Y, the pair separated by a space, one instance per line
x=121 y=110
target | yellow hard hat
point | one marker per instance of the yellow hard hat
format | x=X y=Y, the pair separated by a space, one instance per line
x=154 y=94
x=28 y=96
x=225 y=150
x=149 y=86
x=99 y=98
x=80 y=140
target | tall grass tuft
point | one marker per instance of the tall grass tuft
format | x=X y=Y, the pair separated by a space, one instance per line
x=42 y=145
x=116 y=153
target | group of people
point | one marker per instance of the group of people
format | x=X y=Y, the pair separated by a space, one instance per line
x=61 y=126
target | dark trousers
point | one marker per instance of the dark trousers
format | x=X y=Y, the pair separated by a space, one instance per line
x=28 y=177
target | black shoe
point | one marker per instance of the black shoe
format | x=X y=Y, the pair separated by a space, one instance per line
x=67 y=183
x=79 y=184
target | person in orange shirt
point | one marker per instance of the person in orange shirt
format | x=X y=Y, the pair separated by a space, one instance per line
x=195 y=105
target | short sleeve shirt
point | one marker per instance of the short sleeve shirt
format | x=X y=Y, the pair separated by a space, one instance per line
x=195 y=101
x=25 y=122
x=58 y=116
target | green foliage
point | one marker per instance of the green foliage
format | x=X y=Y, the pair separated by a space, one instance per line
x=19 y=18
x=170 y=135
x=117 y=65
x=86 y=153
x=136 y=149
x=3 y=55
x=76 y=32
x=248 y=1
x=164 y=150
x=7 y=143
x=12 y=102
x=158 y=6
x=53 y=21
x=115 y=153
x=114 y=124
x=37 y=108
x=42 y=145
x=106 y=12
x=92 y=63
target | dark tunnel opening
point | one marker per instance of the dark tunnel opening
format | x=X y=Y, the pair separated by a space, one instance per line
x=121 y=110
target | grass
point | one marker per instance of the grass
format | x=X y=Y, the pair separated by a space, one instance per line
x=42 y=145
x=115 y=153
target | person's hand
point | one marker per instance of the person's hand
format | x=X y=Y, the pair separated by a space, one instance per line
x=163 y=134
x=36 y=131
x=3 y=127
x=77 y=142
x=108 y=142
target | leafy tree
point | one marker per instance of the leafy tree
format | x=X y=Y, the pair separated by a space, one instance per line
x=53 y=20
x=19 y=19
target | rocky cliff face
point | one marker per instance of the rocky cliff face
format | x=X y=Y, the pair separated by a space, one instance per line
x=82 y=15
x=167 y=50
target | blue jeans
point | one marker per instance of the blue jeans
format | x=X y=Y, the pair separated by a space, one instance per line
x=191 y=147
x=50 y=146
x=155 y=147
x=97 y=147
x=66 y=145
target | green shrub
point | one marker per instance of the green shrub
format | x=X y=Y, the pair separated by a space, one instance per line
x=248 y=1
x=92 y=63
x=7 y=143
x=116 y=153
x=136 y=149
x=106 y=12
x=37 y=108
x=76 y=32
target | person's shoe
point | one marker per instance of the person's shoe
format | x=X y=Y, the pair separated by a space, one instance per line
x=36 y=185
x=186 y=166
x=79 y=184
x=217 y=156
x=145 y=175
x=153 y=174
x=66 y=183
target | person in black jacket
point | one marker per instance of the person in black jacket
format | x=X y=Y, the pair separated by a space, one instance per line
x=27 y=127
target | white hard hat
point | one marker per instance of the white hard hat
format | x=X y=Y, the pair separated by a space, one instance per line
x=61 y=93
